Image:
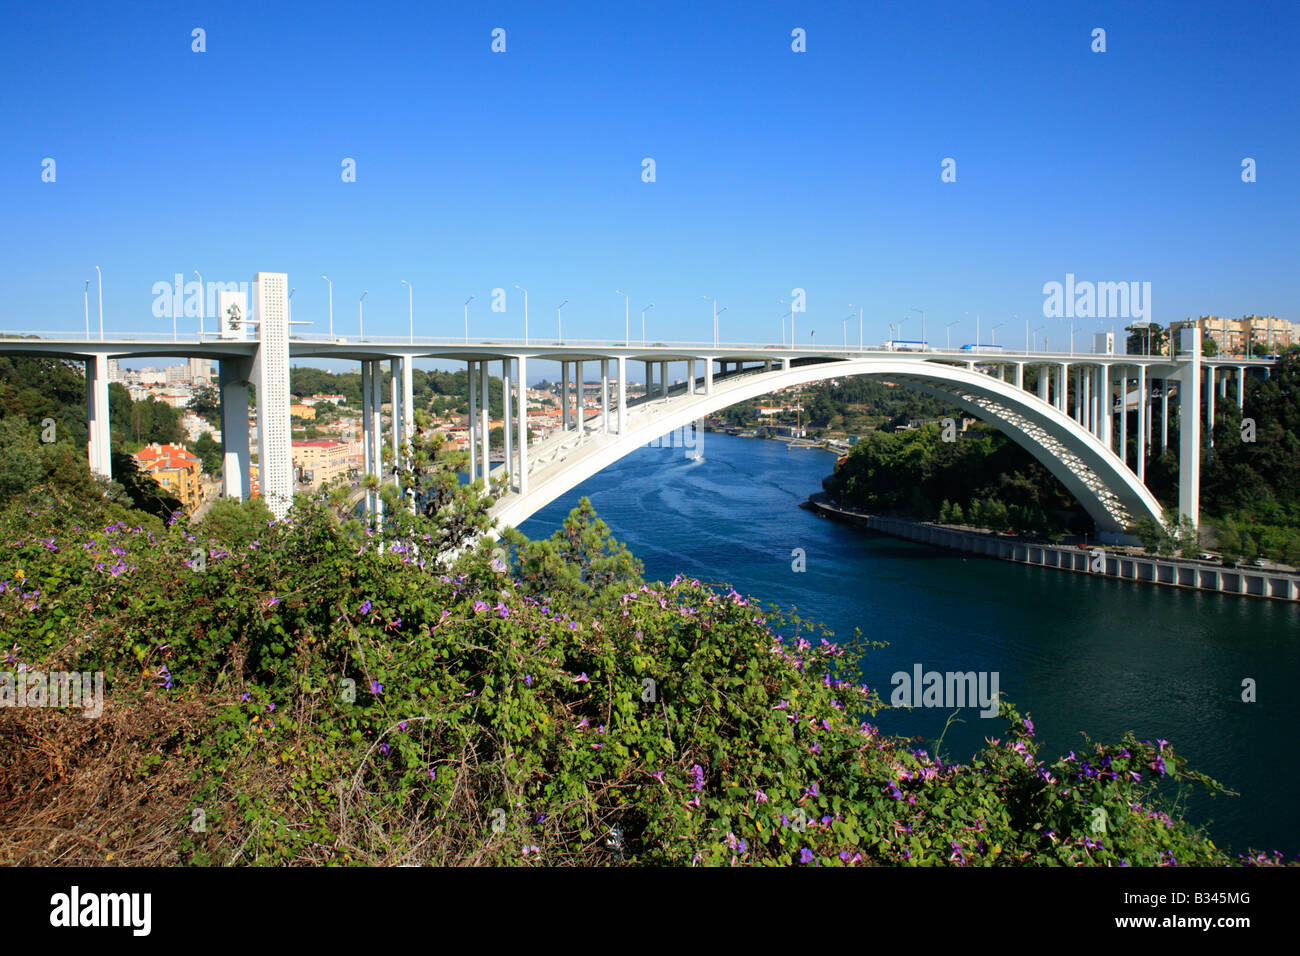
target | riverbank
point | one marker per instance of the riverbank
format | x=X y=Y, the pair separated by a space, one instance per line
x=1149 y=569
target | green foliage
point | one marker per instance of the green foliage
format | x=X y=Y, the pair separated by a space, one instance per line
x=912 y=471
x=411 y=693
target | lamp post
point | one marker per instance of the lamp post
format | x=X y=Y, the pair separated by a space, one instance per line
x=845 y=323
x=525 y=292
x=922 y=311
x=859 y=327
x=643 y=312
x=559 y=322
x=361 y=317
x=1036 y=331
x=85 y=301
x=202 y=308
x=99 y=272
x=467 y=302
x=627 y=317
x=291 y=292
x=410 y=307
x=993 y=334
x=716 y=313
x=331 y=285
x=791 y=314
x=948 y=330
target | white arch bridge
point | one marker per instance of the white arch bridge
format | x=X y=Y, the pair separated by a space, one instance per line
x=1075 y=420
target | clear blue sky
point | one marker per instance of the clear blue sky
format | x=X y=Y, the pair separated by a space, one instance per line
x=775 y=169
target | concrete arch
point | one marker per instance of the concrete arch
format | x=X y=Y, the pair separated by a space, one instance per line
x=1112 y=495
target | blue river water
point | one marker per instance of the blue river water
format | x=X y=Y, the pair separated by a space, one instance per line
x=1083 y=655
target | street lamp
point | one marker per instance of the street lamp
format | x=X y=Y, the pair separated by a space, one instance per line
x=525 y=292
x=291 y=292
x=467 y=302
x=99 y=272
x=627 y=317
x=791 y=314
x=643 y=312
x=1036 y=331
x=201 y=304
x=410 y=306
x=948 y=330
x=331 y=285
x=993 y=334
x=715 y=319
x=922 y=311
x=85 y=301
x=361 y=317
x=559 y=322
x=845 y=325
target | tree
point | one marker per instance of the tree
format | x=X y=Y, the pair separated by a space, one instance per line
x=1228 y=540
x=945 y=512
x=957 y=516
x=209 y=453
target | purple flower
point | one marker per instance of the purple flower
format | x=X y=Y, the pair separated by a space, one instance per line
x=698 y=773
x=480 y=606
x=376 y=687
x=805 y=855
x=528 y=680
x=658 y=775
x=1029 y=726
x=582 y=678
x=502 y=610
x=383 y=749
x=365 y=607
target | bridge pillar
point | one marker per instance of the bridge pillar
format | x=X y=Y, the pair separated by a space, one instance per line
x=1044 y=380
x=1062 y=386
x=1189 y=426
x=233 y=376
x=604 y=396
x=367 y=446
x=99 y=447
x=690 y=376
x=564 y=396
x=506 y=433
x=408 y=398
x=579 y=404
x=663 y=378
x=377 y=434
x=708 y=376
x=1164 y=419
x=1142 y=443
x=486 y=418
x=1209 y=402
x=785 y=365
x=399 y=410
x=622 y=396
x=1020 y=375
x=1223 y=383
x=522 y=482
x=1123 y=418
x=1106 y=401
x=1081 y=398
x=471 y=423
x=1241 y=386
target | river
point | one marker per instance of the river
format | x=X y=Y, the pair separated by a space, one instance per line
x=1081 y=654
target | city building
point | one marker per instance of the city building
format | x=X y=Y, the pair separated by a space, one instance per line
x=1268 y=333
x=320 y=461
x=200 y=371
x=178 y=471
x=302 y=411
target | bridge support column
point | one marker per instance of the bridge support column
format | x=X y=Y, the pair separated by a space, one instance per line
x=506 y=434
x=604 y=396
x=785 y=365
x=1164 y=417
x=690 y=376
x=622 y=396
x=377 y=432
x=1241 y=386
x=1209 y=401
x=1080 y=398
x=663 y=378
x=1106 y=401
x=399 y=410
x=708 y=376
x=1189 y=426
x=233 y=376
x=98 y=448
x=522 y=482
x=581 y=415
x=1020 y=375
x=1144 y=401
x=1123 y=417
x=564 y=396
x=486 y=418
x=649 y=380
x=1062 y=386
x=471 y=421
x=408 y=398
x=1223 y=384
x=1044 y=379
x=367 y=445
